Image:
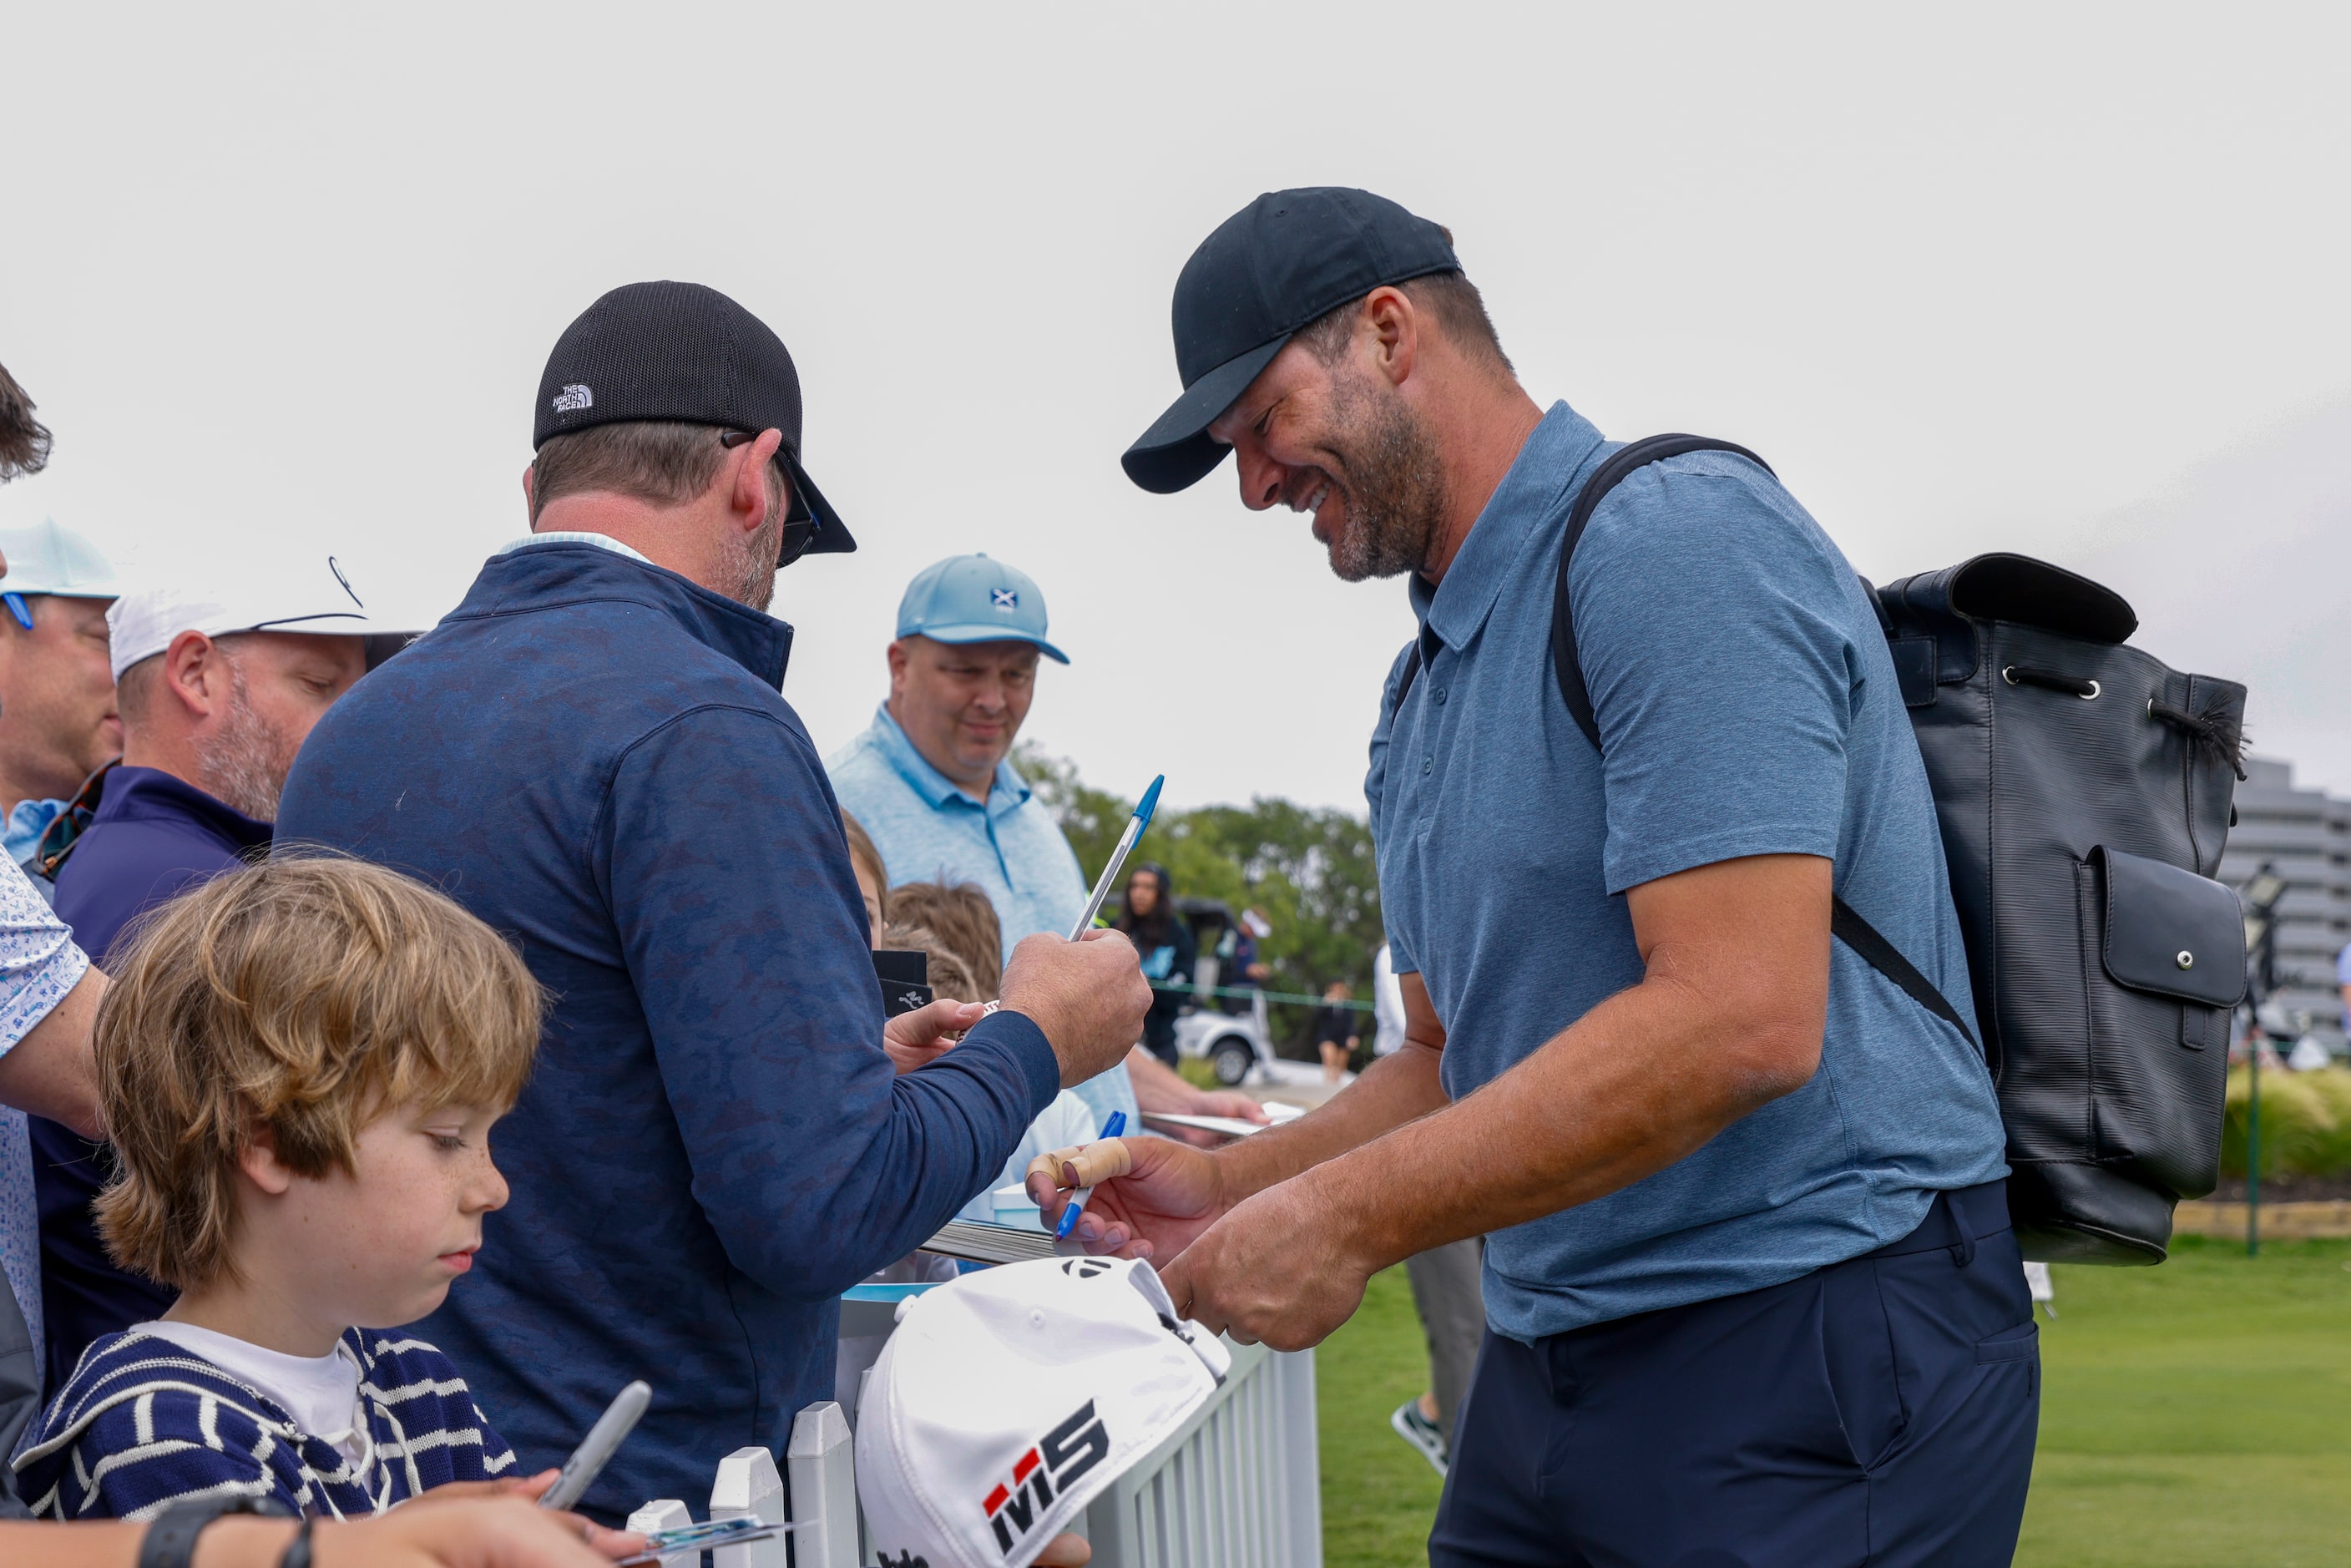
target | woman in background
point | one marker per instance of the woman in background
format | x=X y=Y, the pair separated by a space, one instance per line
x=1163 y=939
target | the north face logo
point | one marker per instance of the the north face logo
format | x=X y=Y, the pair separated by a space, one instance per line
x=573 y=398
x=1059 y=1458
x=1004 y=598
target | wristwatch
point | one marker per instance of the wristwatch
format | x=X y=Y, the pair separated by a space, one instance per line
x=170 y=1538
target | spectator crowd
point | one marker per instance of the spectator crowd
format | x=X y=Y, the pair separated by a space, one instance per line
x=280 y=949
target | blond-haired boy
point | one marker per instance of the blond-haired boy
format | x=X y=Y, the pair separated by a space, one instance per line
x=300 y=1064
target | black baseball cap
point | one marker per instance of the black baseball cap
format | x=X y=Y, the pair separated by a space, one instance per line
x=681 y=351
x=1279 y=263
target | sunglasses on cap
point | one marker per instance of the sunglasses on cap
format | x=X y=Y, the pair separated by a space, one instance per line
x=801 y=525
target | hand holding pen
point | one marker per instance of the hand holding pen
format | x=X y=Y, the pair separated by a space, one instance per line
x=1088 y=998
x=1137 y=822
x=1078 y=1170
x=1077 y=1203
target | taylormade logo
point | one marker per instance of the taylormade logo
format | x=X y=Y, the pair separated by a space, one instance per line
x=1059 y=1458
x=573 y=398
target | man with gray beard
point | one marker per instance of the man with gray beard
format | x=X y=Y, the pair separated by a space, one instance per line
x=216 y=689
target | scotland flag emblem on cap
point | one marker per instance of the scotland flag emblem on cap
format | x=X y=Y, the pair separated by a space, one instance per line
x=1005 y=598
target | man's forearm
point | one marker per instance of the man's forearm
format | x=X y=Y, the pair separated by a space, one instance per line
x=1157 y=1086
x=52 y=1071
x=1635 y=1084
x=1394 y=1091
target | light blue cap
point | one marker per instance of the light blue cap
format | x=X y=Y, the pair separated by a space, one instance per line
x=971 y=599
x=50 y=558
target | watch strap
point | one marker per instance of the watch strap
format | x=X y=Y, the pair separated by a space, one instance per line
x=298 y=1550
x=170 y=1538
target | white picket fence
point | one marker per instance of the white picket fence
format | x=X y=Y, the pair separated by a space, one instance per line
x=1238 y=1486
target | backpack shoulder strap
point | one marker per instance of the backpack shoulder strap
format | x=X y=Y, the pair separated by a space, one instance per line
x=1620 y=465
x=1411 y=673
x=1845 y=924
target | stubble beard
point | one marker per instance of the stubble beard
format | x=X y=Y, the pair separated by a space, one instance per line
x=1393 y=485
x=246 y=759
x=746 y=574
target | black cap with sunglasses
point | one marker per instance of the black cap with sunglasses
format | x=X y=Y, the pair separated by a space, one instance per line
x=682 y=352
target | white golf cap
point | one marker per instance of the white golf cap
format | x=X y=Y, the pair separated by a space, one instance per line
x=312 y=596
x=1008 y=1400
x=50 y=558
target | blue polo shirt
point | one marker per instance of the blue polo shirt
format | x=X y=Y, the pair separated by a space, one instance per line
x=929 y=830
x=1747 y=705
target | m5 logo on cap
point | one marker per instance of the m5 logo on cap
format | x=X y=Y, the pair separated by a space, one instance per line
x=573 y=398
x=1059 y=1458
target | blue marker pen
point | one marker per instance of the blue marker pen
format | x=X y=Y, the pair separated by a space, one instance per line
x=16 y=607
x=1110 y=1129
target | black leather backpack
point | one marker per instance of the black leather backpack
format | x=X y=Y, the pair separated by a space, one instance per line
x=2084 y=790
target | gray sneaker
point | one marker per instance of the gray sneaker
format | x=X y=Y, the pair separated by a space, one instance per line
x=1421 y=1432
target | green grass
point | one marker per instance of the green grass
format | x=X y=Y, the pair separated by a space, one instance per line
x=1195 y=1071
x=1378 y=1496
x=2198 y=1414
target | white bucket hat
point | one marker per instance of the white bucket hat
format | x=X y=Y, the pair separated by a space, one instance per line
x=1008 y=1400
x=314 y=596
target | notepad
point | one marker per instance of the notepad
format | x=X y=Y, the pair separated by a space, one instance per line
x=977 y=1241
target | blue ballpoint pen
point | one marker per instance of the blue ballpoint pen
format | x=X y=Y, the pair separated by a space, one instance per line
x=1110 y=1129
x=1135 y=824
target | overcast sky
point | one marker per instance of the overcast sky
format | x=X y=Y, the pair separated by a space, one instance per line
x=2065 y=280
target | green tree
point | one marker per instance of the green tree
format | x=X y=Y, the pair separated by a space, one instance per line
x=1310 y=868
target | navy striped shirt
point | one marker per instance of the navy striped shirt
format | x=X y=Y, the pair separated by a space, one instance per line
x=145 y=1423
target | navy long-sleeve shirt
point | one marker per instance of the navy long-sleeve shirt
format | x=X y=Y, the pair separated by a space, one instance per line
x=592 y=755
x=153 y=837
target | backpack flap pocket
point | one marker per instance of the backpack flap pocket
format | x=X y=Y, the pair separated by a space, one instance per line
x=2172 y=933
x=2170 y=965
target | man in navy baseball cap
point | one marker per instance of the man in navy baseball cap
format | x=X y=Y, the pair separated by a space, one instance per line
x=1267 y=312
x=648 y=359
x=1280 y=264
x=1754 y=1291
x=593 y=753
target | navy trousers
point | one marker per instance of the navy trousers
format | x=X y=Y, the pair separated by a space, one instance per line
x=1878 y=1412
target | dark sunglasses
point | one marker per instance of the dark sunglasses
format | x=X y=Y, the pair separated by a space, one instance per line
x=801 y=525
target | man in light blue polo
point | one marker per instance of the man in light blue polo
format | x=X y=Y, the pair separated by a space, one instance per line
x=931 y=778
x=1752 y=1292
x=932 y=782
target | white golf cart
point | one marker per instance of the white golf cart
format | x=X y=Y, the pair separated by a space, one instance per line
x=1234 y=1044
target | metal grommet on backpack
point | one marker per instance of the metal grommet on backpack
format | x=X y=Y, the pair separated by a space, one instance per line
x=2084 y=791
